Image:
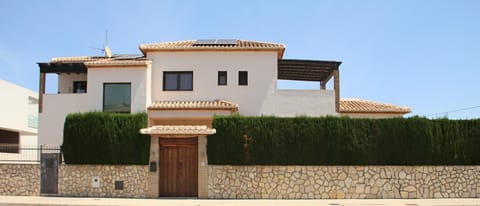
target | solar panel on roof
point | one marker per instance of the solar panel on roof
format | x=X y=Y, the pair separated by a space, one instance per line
x=226 y=41
x=205 y=42
x=215 y=42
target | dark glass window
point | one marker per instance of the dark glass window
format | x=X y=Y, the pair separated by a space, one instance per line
x=177 y=81
x=242 y=78
x=9 y=141
x=222 y=77
x=80 y=87
x=116 y=97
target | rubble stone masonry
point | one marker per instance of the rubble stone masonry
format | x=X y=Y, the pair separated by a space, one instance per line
x=20 y=179
x=328 y=182
x=266 y=182
x=77 y=180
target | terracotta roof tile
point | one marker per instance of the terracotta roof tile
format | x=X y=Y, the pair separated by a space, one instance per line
x=117 y=62
x=194 y=105
x=364 y=106
x=178 y=130
x=76 y=59
x=189 y=45
x=102 y=61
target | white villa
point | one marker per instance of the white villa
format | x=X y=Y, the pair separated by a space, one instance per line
x=244 y=73
x=182 y=84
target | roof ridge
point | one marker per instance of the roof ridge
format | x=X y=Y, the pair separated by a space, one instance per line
x=189 y=45
x=167 y=42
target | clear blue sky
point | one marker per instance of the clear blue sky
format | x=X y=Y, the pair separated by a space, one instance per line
x=422 y=54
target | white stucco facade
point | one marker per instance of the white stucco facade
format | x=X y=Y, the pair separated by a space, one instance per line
x=17 y=107
x=138 y=77
x=57 y=106
x=287 y=103
x=19 y=111
x=55 y=109
x=259 y=97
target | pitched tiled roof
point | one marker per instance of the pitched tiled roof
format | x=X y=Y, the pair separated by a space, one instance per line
x=354 y=105
x=194 y=105
x=76 y=59
x=118 y=62
x=103 y=61
x=178 y=130
x=188 y=45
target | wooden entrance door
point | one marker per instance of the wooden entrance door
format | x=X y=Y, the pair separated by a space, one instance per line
x=178 y=167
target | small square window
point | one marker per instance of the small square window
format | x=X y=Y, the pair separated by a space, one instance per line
x=80 y=87
x=222 y=77
x=243 y=78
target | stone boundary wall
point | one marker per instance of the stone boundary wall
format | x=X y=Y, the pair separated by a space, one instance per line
x=328 y=182
x=20 y=179
x=76 y=180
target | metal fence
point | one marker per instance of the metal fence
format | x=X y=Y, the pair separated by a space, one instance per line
x=15 y=153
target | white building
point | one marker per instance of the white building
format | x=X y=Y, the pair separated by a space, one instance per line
x=181 y=85
x=242 y=72
x=18 y=118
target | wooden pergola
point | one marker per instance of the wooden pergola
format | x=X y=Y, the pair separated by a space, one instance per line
x=312 y=70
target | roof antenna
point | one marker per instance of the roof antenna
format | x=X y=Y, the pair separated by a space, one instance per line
x=106 y=49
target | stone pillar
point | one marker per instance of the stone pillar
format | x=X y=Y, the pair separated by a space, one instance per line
x=153 y=177
x=202 y=167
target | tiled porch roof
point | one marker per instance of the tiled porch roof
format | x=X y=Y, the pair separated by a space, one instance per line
x=188 y=45
x=194 y=105
x=353 y=105
x=178 y=130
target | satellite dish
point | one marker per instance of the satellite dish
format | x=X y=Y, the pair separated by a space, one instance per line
x=105 y=50
x=108 y=52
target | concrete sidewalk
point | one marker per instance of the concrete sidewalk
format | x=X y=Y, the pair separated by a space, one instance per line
x=34 y=200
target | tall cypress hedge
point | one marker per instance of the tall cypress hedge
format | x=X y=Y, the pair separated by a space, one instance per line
x=105 y=138
x=344 y=141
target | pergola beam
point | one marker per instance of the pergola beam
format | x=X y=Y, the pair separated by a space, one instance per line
x=306 y=70
x=62 y=68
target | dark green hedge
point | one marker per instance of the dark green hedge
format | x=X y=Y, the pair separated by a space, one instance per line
x=105 y=138
x=345 y=141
